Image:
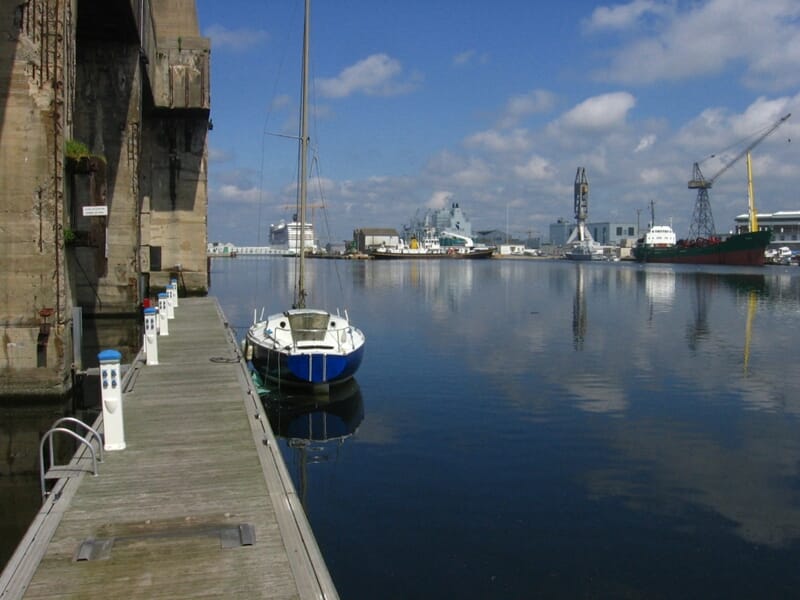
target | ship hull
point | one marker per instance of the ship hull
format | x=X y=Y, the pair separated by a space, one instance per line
x=742 y=249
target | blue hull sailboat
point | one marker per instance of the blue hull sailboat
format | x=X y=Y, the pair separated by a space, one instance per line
x=305 y=346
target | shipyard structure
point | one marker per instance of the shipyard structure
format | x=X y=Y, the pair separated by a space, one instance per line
x=105 y=115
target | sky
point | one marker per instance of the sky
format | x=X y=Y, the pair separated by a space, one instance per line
x=420 y=104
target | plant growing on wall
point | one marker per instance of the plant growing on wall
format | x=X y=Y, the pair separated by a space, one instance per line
x=76 y=150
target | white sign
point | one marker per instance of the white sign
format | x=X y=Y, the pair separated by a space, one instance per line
x=95 y=211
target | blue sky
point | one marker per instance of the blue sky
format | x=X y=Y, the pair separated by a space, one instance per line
x=419 y=104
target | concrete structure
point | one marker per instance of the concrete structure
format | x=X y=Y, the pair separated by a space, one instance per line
x=105 y=114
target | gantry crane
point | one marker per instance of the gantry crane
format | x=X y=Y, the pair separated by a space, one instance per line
x=702 y=220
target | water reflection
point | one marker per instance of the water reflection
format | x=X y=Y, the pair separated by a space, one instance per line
x=660 y=289
x=314 y=427
x=654 y=400
x=740 y=474
x=579 y=311
x=21 y=428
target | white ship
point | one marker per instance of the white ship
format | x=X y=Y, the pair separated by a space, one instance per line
x=287 y=236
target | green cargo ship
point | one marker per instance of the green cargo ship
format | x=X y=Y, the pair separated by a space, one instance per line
x=738 y=249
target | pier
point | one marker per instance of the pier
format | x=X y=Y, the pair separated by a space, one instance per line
x=199 y=503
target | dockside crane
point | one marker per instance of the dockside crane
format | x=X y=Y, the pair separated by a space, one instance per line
x=581 y=205
x=702 y=220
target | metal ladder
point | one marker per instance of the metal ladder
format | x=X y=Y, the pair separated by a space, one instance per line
x=75 y=466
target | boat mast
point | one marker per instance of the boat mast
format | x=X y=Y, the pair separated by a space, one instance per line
x=300 y=301
x=652 y=213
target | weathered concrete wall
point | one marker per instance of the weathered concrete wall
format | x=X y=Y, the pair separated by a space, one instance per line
x=174 y=148
x=36 y=41
x=175 y=18
x=107 y=119
x=94 y=71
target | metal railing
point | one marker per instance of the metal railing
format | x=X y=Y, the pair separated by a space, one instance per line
x=55 y=471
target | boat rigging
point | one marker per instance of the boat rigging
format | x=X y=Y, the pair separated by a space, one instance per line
x=305 y=346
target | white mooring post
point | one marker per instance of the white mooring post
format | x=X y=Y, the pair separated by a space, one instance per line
x=111 y=392
x=151 y=335
x=174 y=283
x=163 y=322
x=170 y=302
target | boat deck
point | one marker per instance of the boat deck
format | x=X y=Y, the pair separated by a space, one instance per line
x=198 y=504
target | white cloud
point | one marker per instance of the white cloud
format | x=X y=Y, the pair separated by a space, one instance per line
x=645 y=142
x=719 y=134
x=475 y=172
x=233 y=193
x=439 y=199
x=704 y=39
x=653 y=176
x=537 y=168
x=520 y=106
x=280 y=102
x=470 y=57
x=498 y=141
x=623 y=16
x=217 y=155
x=238 y=40
x=376 y=75
x=603 y=112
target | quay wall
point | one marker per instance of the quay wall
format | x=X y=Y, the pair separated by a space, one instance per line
x=104 y=116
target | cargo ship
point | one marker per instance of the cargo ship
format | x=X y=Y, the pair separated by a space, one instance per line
x=745 y=249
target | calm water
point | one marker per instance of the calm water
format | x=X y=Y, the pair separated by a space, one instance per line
x=525 y=428
x=528 y=428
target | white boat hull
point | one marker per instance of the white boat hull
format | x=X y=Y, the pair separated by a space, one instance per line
x=305 y=347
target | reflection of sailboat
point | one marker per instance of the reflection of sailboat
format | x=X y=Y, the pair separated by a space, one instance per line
x=304 y=345
x=315 y=428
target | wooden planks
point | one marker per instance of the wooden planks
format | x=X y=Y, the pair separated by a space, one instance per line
x=200 y=474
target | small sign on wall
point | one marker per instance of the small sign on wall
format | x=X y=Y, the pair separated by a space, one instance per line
x=95 y=211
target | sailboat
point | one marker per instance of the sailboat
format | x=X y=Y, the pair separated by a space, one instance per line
x=305 y=346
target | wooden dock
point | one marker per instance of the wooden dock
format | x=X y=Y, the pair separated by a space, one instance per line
x=198 y=504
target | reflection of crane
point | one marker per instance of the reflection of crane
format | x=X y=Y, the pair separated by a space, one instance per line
x=579 y=313
x=702 y=220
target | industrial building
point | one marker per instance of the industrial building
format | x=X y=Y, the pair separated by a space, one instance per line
x=785 y=227
x=374 y=237
x=607 y=233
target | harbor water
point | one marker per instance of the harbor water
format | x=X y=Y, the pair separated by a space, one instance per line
x=526 y=428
